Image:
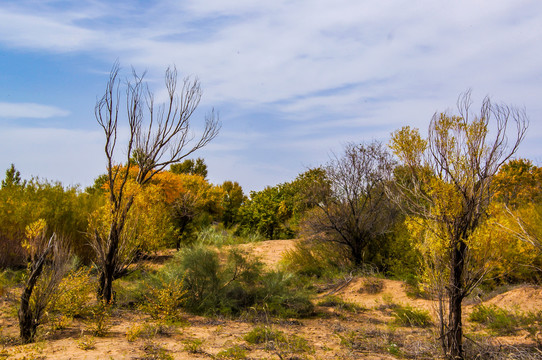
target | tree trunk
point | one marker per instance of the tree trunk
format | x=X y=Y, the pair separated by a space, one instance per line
x=28 y=321
x=107 y=275
x=456 y=294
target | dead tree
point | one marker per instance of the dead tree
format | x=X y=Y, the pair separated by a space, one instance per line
x=48 y=265
x=353 y=210
x=448 y=186
x=159 y=135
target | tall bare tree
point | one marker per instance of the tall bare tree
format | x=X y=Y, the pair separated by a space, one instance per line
x=159 y=135
x=448 y=186
x=352 y=208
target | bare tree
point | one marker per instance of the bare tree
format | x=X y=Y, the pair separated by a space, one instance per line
x=159 y=135
x=448 y=186
x=353 y=210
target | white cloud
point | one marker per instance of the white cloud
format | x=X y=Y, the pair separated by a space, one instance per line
x=335 y=70
x=30 y=110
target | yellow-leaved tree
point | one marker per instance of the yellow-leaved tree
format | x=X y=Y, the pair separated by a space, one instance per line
x=447 y=189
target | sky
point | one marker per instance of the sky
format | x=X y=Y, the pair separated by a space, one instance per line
x=293 y=81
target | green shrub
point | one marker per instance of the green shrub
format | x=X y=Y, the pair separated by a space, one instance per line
x=154 y=351
x=413 y=287
x=235 y=284
x=218 y=236
x=314 y=259
x=131 y=290
x=277 y=340
x=498 y=320
x=372 y=285
x=193 y=346
x=100 y=321
x=235 y=352
x=164 y=302
x=76 y=290
x=264 y=334
x=148 y=331
x=409 y=316
x=338 y=303
x=86 y=342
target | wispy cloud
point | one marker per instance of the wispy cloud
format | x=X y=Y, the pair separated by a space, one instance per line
x=30 y=110
x=318 y=72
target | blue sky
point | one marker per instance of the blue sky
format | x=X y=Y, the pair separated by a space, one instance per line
x=293 y=81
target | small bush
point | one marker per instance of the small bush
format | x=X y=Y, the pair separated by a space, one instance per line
x=372 y=285
x=146 y=331
x=100 y=320
x=498 y=320
x=164 y=302
x=219 y=237
x=75 y=291
x=193 y=346
x=86 y=342
x=154 y=351
x=235 y=352
x=314 y=259
x=264 y=334
x=278 y=340
x=413 y=287
x=338 y=303
x=409 y=316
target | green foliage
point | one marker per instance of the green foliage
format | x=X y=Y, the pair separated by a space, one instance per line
x=504 y=322
x=193 y=346
x=277 y=340
x=340 y=304
x=13 y=177
x=100 y=319
x=267 y=213
x=86 y=342
x=190 y=167
x=234 y=284
x=275 y=212
x=74 y=291
x=157 y=352
x=372 y=285
x=315 y=259
x=65 y=210
x=405 y=315
x=217 y=236
x=233 y=199
x=264 y=334
x=164 y=302
x=235 y=352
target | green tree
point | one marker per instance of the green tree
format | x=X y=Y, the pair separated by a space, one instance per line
x=267 y=213
x=190 y=167
x=233 y=199
x=13 y=177
x=449 y=190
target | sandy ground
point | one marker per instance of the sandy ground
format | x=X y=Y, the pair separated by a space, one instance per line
x=370 y=332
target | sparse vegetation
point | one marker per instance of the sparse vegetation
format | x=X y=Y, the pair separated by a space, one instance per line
x=408 y=316
x=99 y=322
x=340 y=304
x=500 y=321
x=86 y=342
x=193 y=346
